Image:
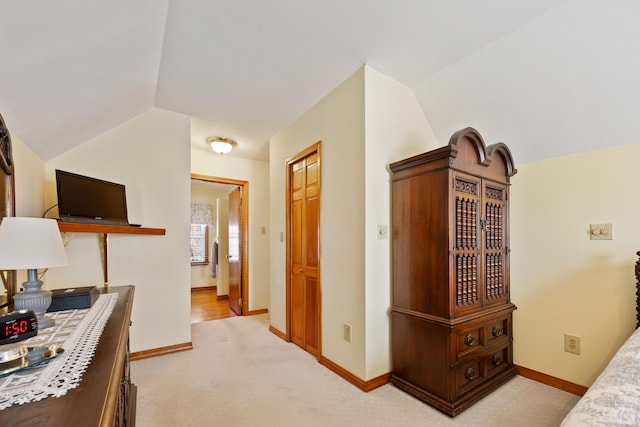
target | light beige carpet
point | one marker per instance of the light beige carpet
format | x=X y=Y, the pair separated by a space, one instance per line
x=240 y=374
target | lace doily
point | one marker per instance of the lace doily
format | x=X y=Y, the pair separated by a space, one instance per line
x=78 y=333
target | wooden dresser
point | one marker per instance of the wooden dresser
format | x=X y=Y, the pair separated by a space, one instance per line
x=105 y=396
x=451 y=324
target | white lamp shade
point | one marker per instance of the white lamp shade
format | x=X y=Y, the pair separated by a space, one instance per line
x=30 y=243
x=221 y=147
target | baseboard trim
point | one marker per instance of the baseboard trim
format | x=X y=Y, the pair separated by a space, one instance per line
x=260 y=311
x=278 y=333
x=363 y=385
x=162 y=351
x=204 y=288
x=561 y=384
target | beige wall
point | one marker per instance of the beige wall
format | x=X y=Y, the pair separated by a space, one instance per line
x=338 y=121
x=366 y=122
x=29 y=180
x=148 y=154
x=257 y=174
x=563 y=282
x=395 y=129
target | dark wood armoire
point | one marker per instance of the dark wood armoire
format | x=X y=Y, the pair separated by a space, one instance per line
x=451 y=316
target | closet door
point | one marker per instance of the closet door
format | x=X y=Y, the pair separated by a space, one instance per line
x=304 y=275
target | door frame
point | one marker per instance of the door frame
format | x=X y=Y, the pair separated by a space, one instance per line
x=315 y=148
x=244 y=212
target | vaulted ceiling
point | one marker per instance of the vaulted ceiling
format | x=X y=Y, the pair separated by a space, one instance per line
x=548 y=77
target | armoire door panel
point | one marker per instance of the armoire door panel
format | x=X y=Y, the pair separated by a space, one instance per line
x=467 y=239
x=496 y=262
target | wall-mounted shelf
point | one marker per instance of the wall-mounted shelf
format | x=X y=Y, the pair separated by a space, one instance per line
x=105 y=230
x=77 y=227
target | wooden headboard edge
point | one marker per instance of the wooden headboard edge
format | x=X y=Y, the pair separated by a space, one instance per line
x=638 y=290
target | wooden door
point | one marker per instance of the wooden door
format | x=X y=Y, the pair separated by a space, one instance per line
x=304 y=279
x=235 y=249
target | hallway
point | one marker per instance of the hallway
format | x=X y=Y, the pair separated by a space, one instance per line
x=206 y=306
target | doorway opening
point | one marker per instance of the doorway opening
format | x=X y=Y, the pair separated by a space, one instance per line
x=219 y=287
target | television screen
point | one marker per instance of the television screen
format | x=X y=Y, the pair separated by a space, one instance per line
x=85 y=199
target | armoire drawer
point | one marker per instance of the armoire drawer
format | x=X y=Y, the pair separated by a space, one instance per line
x=498 y=361
x=474 y=338
x=472 y=373
x=498 y=329
x=468 y=375
x=469 y=340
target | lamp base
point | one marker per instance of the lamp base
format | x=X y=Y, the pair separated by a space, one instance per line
x=33 y=297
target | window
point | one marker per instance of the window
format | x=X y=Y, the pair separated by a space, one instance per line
x=199 y=244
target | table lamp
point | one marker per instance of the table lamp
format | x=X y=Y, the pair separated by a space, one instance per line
x=29 y=244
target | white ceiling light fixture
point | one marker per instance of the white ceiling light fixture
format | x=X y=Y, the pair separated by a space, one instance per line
x=221 y=145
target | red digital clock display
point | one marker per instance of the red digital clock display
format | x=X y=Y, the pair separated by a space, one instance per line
x=17 y=326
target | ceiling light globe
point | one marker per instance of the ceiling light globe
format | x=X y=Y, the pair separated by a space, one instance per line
x=221 y=147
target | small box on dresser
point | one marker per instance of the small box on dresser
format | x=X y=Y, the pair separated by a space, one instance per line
x=73 y=298
x=451 y=314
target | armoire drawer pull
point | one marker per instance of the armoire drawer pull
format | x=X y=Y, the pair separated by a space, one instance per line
x=470 y=340
x=470 y=374
x=496 y=331
x=496 y=360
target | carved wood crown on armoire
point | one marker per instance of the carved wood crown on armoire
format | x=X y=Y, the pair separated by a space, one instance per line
x=451 y=316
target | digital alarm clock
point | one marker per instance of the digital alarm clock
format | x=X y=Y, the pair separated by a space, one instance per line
x=17 y=326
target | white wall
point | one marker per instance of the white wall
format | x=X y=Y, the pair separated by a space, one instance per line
x=149 y=154
x=564 y=83
x=257 y=174
x=563 y=282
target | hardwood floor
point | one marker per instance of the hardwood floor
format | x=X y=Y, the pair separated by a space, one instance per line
x=205 y=305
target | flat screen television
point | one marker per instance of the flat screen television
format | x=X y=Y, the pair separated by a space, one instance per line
x=90 y=200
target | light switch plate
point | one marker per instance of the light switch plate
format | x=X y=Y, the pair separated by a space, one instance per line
x=383 y=231
x=601 y=231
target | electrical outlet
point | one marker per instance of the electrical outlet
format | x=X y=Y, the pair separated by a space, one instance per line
x=571 y=344
x=347 y=332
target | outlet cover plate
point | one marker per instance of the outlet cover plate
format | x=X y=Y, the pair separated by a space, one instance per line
x=347 y=332
x=572 y=344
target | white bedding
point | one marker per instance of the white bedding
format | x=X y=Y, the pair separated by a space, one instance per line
x=614 y=398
